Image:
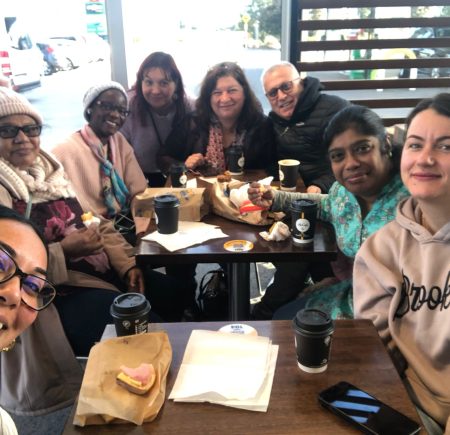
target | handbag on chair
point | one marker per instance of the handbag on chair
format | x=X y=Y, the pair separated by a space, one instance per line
x=212 y=299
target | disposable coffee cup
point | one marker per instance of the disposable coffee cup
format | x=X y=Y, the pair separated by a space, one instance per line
x=303 y=221
x=288 y=171
x=130 y=312
x=166 y=213
x=313 y=331
x=235 y=160
x=178 y=177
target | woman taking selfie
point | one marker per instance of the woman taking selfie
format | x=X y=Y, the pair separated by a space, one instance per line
x=402 y=273
x=24 y=289
x=363 y=199
x=158 y=102
x=227 y=116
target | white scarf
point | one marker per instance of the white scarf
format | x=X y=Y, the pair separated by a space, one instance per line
x=45 y=180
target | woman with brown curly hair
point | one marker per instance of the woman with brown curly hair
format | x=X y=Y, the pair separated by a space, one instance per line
x=227 y=115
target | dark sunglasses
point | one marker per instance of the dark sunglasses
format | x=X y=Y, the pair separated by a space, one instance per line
x=11 y=131
x=108 y=107
x=285 y=87
x=37 y=293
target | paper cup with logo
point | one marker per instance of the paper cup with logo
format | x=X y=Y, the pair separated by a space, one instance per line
x=166 y=213
x=313 y=332
x=303 y=220
x=178 y=177
x=130 y=312
x=288 y=171
x=235 y=161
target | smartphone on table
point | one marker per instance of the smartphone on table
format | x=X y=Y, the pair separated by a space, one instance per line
x=366 y=412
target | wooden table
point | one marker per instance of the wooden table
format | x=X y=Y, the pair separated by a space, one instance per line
x=357 y=356
x=322 y=249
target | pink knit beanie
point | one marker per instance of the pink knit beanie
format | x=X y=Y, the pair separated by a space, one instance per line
x=12 y=103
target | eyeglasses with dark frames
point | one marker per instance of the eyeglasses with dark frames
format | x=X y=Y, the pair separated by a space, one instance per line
x=36 y=292
x=108 y=107
x=11 y=131
x=285 y=87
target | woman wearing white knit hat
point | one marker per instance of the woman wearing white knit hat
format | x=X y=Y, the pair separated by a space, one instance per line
x=101 y=163
x=103 y=169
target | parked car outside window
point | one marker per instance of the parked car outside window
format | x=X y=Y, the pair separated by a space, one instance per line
x=60 y=56
x=91 y=46
x=20 y=59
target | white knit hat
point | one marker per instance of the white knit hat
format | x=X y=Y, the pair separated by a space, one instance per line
x=94 y=91
x=12 y=103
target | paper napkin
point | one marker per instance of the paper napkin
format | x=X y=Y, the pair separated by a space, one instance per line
x=227 y=369
x=188 y=234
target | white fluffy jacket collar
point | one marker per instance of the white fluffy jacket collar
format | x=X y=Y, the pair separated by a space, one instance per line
x=45 y=180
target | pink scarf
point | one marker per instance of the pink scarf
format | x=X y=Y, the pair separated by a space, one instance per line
x=113 y=187
x=214 y=151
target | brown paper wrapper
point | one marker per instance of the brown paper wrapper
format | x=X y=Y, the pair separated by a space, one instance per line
x=221 y=205
x=192 y=204
x=102 y=400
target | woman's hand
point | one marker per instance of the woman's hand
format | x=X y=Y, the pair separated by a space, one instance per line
x=82 y=242
x=194 y=160
x=260 y=195
x=134 y=279
x=313 y=189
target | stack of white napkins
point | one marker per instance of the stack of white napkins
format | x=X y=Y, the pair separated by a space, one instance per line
x=228 y=369
x=188 y=234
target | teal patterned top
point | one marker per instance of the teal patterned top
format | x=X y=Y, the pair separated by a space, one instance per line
x=342 y=210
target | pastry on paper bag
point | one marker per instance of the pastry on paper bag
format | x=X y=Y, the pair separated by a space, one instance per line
x=103 y=401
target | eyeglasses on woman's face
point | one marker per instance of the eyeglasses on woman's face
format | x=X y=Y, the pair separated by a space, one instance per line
x=11 y=131
x=36 y=292
x=108 y=107
x=285 y=87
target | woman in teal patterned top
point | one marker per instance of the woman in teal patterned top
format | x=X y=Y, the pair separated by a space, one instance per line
x=362 y=200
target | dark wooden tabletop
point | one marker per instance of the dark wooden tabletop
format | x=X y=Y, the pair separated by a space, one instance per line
x=357 y=356
x=212 y=251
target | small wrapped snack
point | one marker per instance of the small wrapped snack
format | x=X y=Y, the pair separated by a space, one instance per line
x=277 y=232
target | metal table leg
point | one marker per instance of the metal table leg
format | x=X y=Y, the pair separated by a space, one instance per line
x=239 y=284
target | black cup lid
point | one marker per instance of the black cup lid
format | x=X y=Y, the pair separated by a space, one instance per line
x=236 y=149
x=297 y=204
x=313 y=320
x=166 y=201
x=129 y=303
x=177 y=167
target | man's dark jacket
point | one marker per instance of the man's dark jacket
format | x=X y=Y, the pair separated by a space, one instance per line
x=301 y=137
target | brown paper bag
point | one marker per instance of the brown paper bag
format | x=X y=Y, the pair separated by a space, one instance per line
x=222 y=206
x=102 y=400
x=192 y=204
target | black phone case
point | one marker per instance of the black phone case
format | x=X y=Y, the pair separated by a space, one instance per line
x=364 y=429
